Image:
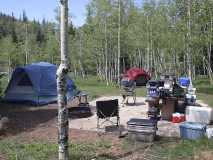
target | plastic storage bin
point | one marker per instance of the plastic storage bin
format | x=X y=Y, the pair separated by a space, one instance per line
x=184 y=81
x=142 y=136
x=199 y=114
x=209 y=133
x=142 y=129
x=192 y=130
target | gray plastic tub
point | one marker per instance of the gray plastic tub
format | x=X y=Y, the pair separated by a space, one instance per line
x=142 y=129
x=142 y=136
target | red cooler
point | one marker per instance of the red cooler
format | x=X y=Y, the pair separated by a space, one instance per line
x=177 y=118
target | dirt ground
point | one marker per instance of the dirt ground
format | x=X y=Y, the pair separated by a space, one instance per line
x=32 y=124
x=41 y=122
x=138 y=110
x=37 y=123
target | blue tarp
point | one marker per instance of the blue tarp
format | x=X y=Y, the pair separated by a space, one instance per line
x=43 y=83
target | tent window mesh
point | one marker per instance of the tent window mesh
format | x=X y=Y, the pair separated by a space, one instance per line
x=25 y=81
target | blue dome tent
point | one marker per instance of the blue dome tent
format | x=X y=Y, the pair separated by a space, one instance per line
x=36 y=83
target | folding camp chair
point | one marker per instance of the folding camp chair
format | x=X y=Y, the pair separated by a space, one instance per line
x=106 y=110
x=128 y=90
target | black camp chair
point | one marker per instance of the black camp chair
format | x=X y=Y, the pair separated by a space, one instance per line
x=106 y=110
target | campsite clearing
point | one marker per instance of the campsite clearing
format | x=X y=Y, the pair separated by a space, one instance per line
x=138 y=110
x=34 y=129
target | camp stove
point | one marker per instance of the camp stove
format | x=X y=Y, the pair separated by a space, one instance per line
x=153 y=96
x=154 y=108
x=154 y=113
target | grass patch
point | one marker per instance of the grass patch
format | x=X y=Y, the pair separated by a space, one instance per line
x=169 y=148
x=206 y=98
x=96 y=88
x=201 y=82
x=19 y=151
x=15 y=150
x=204 y=90
x=188 y=149
x=203 y=86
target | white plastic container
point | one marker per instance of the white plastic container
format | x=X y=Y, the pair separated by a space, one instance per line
x=209 y=133
x=191 y=90
x=199 y=114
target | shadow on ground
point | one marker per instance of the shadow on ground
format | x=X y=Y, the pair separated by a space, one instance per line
x=25 y=117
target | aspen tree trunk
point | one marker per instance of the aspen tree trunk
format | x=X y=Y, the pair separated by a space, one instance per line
x=151 y=48
x=106 y=53
x=123 y=68
x=113 y=66
x=155 y=64
x=26 y=45
x=9 y=68
x=209 y=64
x=119 y=32
x=174 y=62
x=75 y=70
x=80 y=55
x=209 y=55
x=148 y=49
x=184 y=64
x=97 y=67
x=177 y=64
x=189 y=60
x=163 y=61
x=81 y=69
x=103 y=65
x=63 y=123
x=116 y=66
x=52 y=59
x=194 y=71
x=139 y=58
x=204 y=69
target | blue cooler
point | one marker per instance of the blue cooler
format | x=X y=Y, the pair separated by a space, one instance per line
x=184 y=81
x=192 y=130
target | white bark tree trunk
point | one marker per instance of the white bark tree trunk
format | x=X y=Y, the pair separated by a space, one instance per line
x=26 y=45
x=80 y=56
x=148 y=45
x=9 y=68
x=106 y=52
x=189 y=59
x=63 y=123
x=209 y=54
x=119 y=48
